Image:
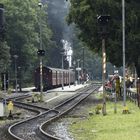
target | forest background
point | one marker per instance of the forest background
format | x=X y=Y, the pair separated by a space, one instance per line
x=22 y=19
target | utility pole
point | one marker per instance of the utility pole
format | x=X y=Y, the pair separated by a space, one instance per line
x=69 y=77
x=16 y=57
x=83 y=59
x=69 y=71
x=19 y=76
x=78 y=69
x=62 y=69
x=123 y=37
x=41 y=53
x=74 y=63
x=2 y=40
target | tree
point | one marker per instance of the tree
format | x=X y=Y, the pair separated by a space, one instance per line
x=4 y=48
x=92 y=61
x=22 y=33
x=84 y=12
x=4 y=56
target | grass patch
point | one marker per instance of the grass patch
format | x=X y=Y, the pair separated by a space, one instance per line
x=112 y=126
x=99 y=95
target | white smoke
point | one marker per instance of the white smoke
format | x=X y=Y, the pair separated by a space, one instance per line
x=68 y=52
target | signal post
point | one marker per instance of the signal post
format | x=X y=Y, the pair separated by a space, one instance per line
x=103 y=22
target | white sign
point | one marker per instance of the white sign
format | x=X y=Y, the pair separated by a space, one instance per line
x=78 y=69
x=1 y=109
x=116 y=71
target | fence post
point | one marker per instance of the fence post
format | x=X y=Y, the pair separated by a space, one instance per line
x=138 y=92
x=130 y=95
x=135 y=98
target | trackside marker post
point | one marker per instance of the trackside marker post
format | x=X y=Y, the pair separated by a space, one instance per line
x=10 y=108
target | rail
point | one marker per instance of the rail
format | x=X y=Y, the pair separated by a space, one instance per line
x=33 y=126
x=78 y=98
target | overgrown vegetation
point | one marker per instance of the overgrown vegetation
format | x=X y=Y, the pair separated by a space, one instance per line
x=84 y=13
x=112 y=126
x=22 y=39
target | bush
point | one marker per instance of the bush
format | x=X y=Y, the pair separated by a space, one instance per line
x=98 y=108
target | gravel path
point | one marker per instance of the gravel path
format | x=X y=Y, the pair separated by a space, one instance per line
x=4 y=124
x=61 y=127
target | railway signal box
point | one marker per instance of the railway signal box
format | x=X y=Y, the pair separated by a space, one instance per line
x=41 y=52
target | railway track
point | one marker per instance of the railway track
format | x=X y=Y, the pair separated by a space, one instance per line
x=65 y=108
x=30 y=107
x=34 y=128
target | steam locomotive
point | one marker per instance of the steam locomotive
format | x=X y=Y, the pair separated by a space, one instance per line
x=52 y=77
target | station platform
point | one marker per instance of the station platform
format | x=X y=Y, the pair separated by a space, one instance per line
x=71 y=88
x=59 y=93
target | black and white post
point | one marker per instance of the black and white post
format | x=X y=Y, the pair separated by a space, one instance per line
x=103 y=22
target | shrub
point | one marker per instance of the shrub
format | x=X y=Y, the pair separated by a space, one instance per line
x=98 y=109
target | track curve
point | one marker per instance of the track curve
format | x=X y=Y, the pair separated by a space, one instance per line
x=34 y=128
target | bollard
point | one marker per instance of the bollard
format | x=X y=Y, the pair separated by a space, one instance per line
x=118 y=94
x=4 y=104
x=10 y=108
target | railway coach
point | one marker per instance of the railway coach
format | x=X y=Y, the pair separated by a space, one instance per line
x=52 y=77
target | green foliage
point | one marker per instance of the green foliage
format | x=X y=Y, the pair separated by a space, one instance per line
x=98 y=108
x=4 y=56
x=22 y=35
x=92 y=61
x=84 y=14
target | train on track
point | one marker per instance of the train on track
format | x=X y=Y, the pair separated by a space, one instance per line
x=52 y=77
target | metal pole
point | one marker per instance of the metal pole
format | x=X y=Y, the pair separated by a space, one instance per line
x=69 y=74
x=83 y=59
x=62 y=73
x=115 y=95
x=15 y=57
x=103 y=75
x=74 y=73
x=135 y=78
x=41 y=78
x=20 y=89
x=78 y=71
x=4 y=82
x=123 y=37
x=83 y=80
